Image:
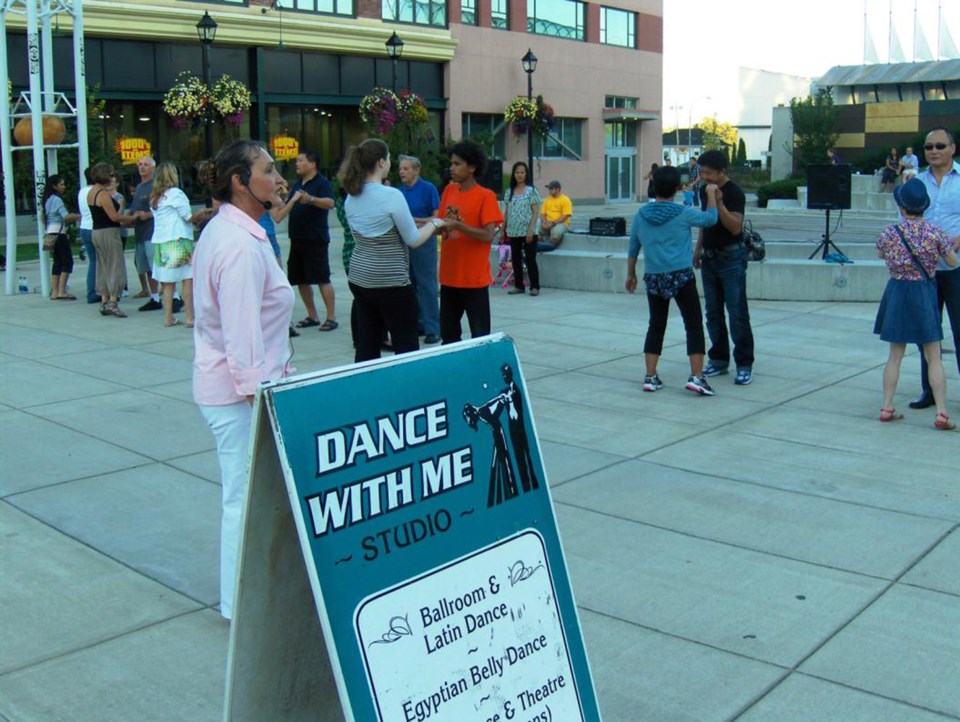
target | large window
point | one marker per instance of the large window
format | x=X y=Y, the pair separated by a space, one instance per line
x=490 y=130
x=620 y=101
x=559 y=18
x=618 y=27
x=500 y=14
x=333 y=7
x=564 y=141
x=419 y=12
x=468 y=12
x=620 y=134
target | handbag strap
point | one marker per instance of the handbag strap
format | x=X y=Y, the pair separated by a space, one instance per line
x=912 y=254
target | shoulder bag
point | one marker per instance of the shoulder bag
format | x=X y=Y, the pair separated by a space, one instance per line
x=913 y=255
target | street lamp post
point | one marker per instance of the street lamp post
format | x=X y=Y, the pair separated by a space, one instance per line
x=394 y=50
x=690 y=126
x=676 y=117
x=529 y=62
x=207 y=31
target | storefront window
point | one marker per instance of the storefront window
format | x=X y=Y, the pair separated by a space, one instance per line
x=129 y=127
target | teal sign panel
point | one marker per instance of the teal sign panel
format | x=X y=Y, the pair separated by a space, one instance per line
x=424 y=512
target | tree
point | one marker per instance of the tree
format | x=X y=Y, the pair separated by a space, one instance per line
x=716 y=134
x=741 y=152
x=814 y=127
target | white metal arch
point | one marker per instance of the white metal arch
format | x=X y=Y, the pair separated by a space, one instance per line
x=41 y=99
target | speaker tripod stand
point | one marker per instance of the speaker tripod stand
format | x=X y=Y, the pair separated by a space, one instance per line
x=825 y=242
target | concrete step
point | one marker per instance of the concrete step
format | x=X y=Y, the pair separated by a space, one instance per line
x=574 y=241
x=775 y=249
x=788 y=279
x=781 y=251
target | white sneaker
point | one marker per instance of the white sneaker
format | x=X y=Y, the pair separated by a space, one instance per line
x=652 y=383
x=699 y=385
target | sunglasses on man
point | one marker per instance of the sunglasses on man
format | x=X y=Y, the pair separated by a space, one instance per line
x=938 y=146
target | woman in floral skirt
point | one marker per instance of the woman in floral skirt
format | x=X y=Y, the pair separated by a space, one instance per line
x=172 y=241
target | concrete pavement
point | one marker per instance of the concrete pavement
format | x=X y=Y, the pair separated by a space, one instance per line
x=771 y=553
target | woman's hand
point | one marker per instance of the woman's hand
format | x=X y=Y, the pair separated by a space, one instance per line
x=631 y=284
x=529 y=236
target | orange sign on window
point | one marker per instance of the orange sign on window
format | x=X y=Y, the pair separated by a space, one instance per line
x=284 y=147
x=131 y=149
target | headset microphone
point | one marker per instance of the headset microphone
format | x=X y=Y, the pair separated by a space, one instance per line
x=245 y=179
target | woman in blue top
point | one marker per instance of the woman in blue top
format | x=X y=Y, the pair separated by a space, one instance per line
x=520 y=225
x=663 y=228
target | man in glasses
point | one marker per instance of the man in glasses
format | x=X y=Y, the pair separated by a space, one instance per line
x=942 y=179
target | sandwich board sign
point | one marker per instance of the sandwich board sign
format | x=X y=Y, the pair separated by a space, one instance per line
x=400 y=559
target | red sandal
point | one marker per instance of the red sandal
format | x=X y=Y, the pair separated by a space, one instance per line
x=890 y=415
x=944 y=423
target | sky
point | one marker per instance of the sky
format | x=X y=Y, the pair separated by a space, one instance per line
x=799 y=37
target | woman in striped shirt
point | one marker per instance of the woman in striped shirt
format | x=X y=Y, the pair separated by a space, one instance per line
x=383 y=228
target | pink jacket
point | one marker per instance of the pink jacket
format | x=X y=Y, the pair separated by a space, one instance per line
x=243 y=305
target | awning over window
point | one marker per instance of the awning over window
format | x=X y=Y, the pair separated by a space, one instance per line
x=611 y=115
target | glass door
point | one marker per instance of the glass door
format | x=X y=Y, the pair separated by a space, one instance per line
x=621 y=175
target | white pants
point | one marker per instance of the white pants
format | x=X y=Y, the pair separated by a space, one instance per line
x=231 y=429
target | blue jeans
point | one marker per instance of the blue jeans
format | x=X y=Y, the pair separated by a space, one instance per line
x=86 y=238
x=724 y=275
x=423 y=273
x=948 y=294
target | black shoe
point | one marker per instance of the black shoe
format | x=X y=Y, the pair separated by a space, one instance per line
x=151 y=305
x=293 y=332
x=177 y=305
x=923 y=401
x=431 y=339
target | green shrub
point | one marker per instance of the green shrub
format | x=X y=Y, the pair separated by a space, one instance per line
x=786 y=188
x=749 y=179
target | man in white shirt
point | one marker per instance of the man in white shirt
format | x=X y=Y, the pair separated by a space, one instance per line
x=86 y=238
x=909 y=165
x=942 y=179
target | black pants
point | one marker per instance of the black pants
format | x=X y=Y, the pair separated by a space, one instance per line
x=454 y=302
x=689 y=303
x=62 y=256
x=524 y=253
x=392 y=309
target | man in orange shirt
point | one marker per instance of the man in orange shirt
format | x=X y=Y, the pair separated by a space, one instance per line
x=473 y=216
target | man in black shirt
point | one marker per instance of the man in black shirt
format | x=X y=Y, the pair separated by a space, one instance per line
x=722 y=258
x=309 y=262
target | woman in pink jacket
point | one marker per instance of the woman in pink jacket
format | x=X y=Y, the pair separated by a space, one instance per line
x=243 y=305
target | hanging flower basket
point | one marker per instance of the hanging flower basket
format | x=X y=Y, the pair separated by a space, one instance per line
x=230 y=99
x=380 y=110
x=522 y=114
x=187 y=100
x=411 y=107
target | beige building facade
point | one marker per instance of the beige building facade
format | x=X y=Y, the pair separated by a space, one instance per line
x=308 y=63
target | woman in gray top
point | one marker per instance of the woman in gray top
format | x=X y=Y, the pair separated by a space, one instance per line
x=383 y=228
x=56 y=217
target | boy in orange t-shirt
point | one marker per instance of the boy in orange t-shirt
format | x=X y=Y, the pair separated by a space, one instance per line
x=473 y=215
